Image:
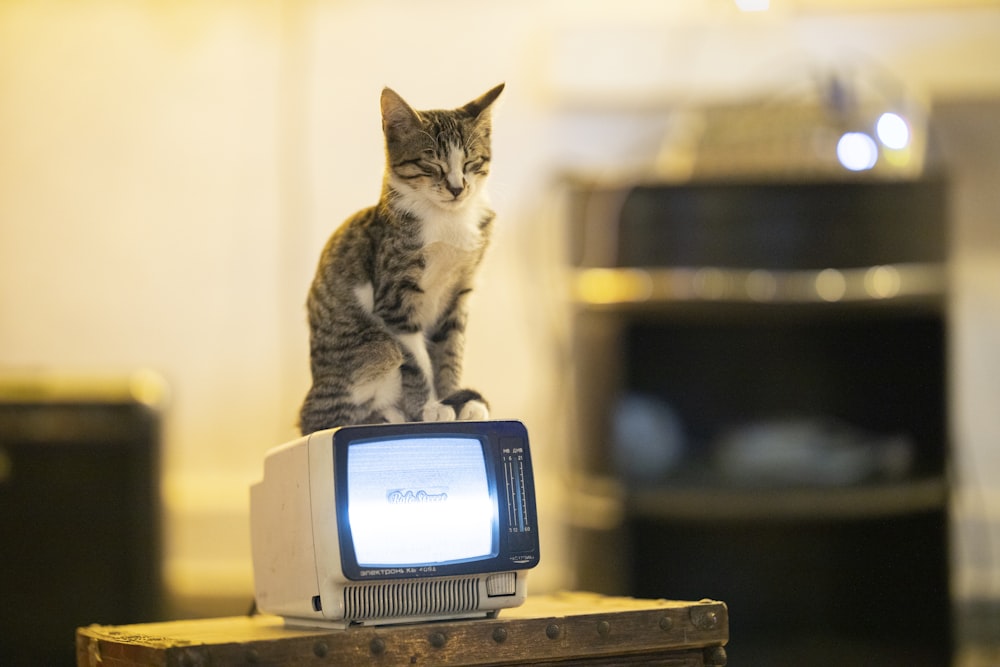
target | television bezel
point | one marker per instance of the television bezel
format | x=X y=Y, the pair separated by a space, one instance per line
x=490 y=437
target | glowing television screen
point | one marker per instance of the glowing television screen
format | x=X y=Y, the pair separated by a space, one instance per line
x=395 y=522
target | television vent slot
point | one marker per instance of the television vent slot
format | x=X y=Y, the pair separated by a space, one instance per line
x=411 y=598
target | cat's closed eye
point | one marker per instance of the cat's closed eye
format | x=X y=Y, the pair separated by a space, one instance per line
x=476 y=166
x=432 y=168
x=418 y=168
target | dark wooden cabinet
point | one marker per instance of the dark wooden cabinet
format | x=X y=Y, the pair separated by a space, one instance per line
x=79 y=512
x=762 y=374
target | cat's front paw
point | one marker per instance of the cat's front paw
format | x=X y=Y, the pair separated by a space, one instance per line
x=438 y=412
x=474 y=410
x=469 y=404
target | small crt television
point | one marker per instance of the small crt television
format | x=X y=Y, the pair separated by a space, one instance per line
x=395 y=523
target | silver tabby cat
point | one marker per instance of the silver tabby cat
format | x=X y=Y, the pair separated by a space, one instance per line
x=387 y=307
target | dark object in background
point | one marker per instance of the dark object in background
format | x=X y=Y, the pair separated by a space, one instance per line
x=738 y=304
x=79 y=512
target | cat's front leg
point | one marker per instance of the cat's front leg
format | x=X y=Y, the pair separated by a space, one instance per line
x=420 y=380
x=446 y=348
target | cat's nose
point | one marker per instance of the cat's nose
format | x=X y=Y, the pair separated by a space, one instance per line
x=455 y=190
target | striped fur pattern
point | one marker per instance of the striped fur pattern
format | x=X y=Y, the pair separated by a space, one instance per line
x=388 y=305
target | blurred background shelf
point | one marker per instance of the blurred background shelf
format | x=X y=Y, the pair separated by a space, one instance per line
x=761 y=385
x=866 y=501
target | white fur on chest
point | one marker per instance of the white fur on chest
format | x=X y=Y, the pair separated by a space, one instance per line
x=446 y=266
x=458 y=227
x=455 y=224
x=452 y=241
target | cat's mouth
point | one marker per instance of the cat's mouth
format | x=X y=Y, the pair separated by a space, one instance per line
x=454 y=201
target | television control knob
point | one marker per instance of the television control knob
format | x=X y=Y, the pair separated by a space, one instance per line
x=502 y=583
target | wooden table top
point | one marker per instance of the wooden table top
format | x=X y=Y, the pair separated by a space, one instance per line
x=573 y=627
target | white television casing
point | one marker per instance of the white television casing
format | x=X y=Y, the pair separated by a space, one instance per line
x=304 y=561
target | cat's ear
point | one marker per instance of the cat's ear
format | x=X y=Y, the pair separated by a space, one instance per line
x=483 y=102
x=398 y=118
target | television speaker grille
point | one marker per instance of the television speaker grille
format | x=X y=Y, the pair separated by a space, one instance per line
x=411 y=598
